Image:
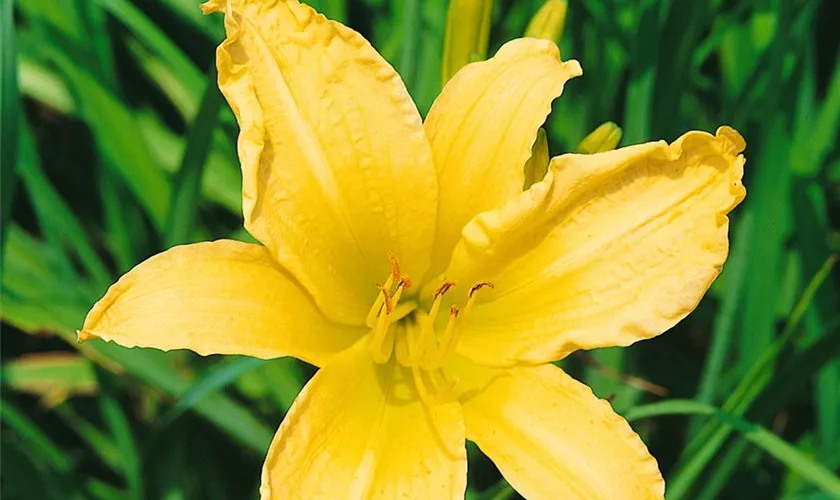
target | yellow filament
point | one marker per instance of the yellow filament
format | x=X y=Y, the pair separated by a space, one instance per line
x=417 y=375
x=471 y=299
x=384 y=306
x=437 y=390
x=444 y=387
x=380 y=332
x=380 y=300
x=439 y=293
x=427 y=329
x=383 y=351
x=450 y=336
x=402 y=285
x=421 y=351
x=416 y=346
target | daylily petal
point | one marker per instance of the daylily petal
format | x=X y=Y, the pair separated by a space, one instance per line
x=357 y=430
x=337 y=170
x=482 y=127
x=220 y=297
x=607 y=250
x=552 y=438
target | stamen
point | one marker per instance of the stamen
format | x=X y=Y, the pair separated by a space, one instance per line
x=386 y=309
x=419 y=351
x=480 y=285
x=413 y=342
x=380 y=331
x=382 y=351
x=444 y=287
x=435 y=391
x=380 y=299
x=444 y=387
x=439 y=293
x=402 y=285
x=471 y=300
x=449 y=340
x=404 y=348
x=395 y=267
x=417 y=375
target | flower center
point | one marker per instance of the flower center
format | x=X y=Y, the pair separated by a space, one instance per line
x=401 y=330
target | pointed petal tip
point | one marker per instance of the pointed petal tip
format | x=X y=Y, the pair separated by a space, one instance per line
x=536 y=45
x=212 y=6
x=735 y=141
x=573 y=67
x=85 y=335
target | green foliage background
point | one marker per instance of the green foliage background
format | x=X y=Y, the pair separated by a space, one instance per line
x=116 y=144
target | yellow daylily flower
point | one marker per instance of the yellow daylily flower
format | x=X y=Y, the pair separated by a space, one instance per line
x=407 y=262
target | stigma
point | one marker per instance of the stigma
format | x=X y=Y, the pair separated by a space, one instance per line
x=400 y=330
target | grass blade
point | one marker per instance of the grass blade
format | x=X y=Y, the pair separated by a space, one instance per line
x=187 y=183
x=96 y=440
x=771 y=444
x=52 y=375
x=123 y=439
x=735 y=278
x=57 y=220
x=639 y=102
x=9 y=121
x=706 y=444
x=36 y=441
x=411 y=38
x=786 y=384
x=212 y=381
x=771 y=226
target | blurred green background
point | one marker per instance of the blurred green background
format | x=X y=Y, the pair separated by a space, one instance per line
x=116 y=144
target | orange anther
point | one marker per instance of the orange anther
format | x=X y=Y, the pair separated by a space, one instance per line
x=395 y=266
x=479 y=286
x=453 y=311
x=444 y=287
x=404 y=282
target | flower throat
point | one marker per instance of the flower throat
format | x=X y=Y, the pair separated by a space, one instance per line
x=402 y=330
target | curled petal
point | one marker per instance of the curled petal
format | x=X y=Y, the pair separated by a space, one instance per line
x=482 y=127
x=337 y=170
x=608 y=249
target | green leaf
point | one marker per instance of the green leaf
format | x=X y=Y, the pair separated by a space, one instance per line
x=412 y=26
x=186 y=72
x=123 y=438
x=640 y=88
x=58 y=222
x=35 y=440
x=706 y=443
x=9 y=117
x=735 y=279
x=770 y=209
x=768 y=442
x=187 y=183
x=98 y=443
x=213 y=380
x=56 y=374
x=116 y=131
x=43 y=85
